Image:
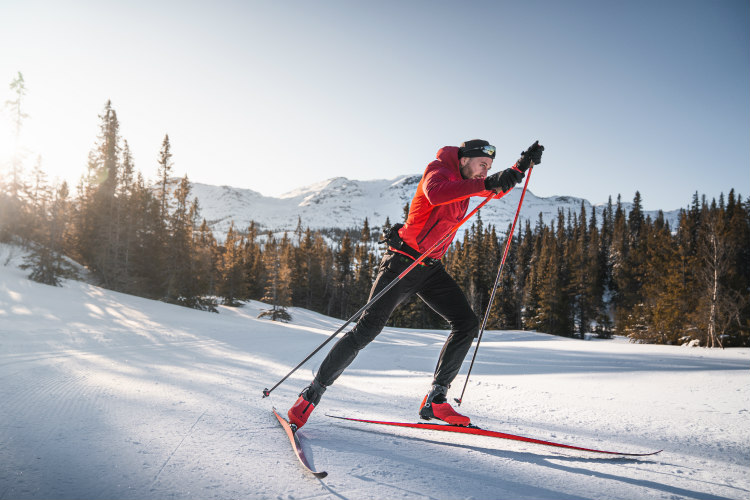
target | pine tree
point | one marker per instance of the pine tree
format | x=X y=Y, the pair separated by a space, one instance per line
x=47 y=233
x=473 y=266
x=97 y=224
x=145 y=276
x=305 y=284
x=179 y=269
x=687 y=247
x=230 y=269
x=737 y=220
x=597 y=284
x=278 y=292
x=340 y=304
x=11 y=206
x=634 y=320
x=163 y=176
x=321 y=273
x=406 y=212
x=126 y=216
x=364 y=268
x=619 y=251
x=522 y=270
x=533 y=282
x=504 y=310
x=297 y=264
x=553 y=313
x=255 y=272
x=662 y=287
x=547 y=285
x=205 y=258
x=717 y=309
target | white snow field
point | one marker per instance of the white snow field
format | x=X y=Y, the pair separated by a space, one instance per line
x=105 y=395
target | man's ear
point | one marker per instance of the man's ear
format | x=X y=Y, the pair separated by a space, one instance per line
x=462 y=162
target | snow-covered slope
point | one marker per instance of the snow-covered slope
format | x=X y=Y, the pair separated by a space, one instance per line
x=344 y=203
x=105 y=395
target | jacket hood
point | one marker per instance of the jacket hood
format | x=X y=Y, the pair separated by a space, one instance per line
x=448 y=155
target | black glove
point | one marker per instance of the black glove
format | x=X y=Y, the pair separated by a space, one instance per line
x=533 y=154
x=504 y=180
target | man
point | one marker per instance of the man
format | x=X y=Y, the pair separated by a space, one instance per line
x=441 y=200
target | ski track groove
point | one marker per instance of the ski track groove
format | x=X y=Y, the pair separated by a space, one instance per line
x=177 y=448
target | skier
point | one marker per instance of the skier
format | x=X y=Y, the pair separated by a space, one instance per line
x=441 y=200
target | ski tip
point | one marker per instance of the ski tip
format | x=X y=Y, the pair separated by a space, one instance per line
x=634 y=455
x=278 y=415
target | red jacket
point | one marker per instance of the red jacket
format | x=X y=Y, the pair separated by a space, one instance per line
x=441 y=200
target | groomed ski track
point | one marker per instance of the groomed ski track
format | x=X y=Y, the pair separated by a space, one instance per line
x=106 y=395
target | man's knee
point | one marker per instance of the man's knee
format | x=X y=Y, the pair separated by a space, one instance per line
x=466 y=326
x=355 y=342
x=364 y=332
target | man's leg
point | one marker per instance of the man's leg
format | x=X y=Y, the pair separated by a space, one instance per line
x=446 y=298
x=369 y=325
x=373 y=320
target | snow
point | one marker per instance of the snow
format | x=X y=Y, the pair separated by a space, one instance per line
x=106 y=395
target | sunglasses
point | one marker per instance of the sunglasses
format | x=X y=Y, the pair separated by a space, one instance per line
x=488 y=150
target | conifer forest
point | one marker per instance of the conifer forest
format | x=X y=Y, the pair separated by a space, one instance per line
x=607 y=272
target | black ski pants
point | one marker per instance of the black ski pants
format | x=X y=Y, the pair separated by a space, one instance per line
x=437 y=289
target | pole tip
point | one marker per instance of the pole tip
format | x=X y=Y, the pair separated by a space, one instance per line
x=266 y=393
x=458 y=401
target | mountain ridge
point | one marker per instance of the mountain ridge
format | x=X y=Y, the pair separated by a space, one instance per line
x=343 y=203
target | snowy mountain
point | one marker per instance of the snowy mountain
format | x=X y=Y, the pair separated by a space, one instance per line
x=107 y=395
x=345 y=203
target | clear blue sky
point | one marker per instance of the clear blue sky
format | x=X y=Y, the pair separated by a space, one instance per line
x=638 y=95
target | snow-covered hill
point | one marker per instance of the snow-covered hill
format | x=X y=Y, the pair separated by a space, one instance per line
x=344 y=203
x=106 y=395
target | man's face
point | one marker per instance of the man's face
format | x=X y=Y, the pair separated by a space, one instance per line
x=475 y=168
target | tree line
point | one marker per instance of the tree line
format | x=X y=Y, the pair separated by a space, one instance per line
x=610 y=273
x=618 y=272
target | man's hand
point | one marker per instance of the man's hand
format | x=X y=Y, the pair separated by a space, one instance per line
x=503 y=181
x=530 y=157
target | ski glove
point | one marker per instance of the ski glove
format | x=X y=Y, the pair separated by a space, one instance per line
x=504 y=180
x=533 y=154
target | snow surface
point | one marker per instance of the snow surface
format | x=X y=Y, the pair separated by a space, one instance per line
x=106 y=395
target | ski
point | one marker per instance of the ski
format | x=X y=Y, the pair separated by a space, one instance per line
x=472 y=429
x=297 y=446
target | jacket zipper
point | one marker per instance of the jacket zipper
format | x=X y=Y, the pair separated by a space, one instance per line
x=428 y=232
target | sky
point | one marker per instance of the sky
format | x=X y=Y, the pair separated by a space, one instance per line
x=649 y=96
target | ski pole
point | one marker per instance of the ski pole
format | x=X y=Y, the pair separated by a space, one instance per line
x=494 y=288
x=267 y=392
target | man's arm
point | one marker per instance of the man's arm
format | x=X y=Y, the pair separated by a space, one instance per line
x=440 y=189
x=504 y=181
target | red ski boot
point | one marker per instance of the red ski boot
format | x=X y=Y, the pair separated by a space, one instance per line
x=436 y=405
x=308 y=398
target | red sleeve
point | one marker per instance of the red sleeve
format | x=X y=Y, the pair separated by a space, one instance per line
x=440 y=189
